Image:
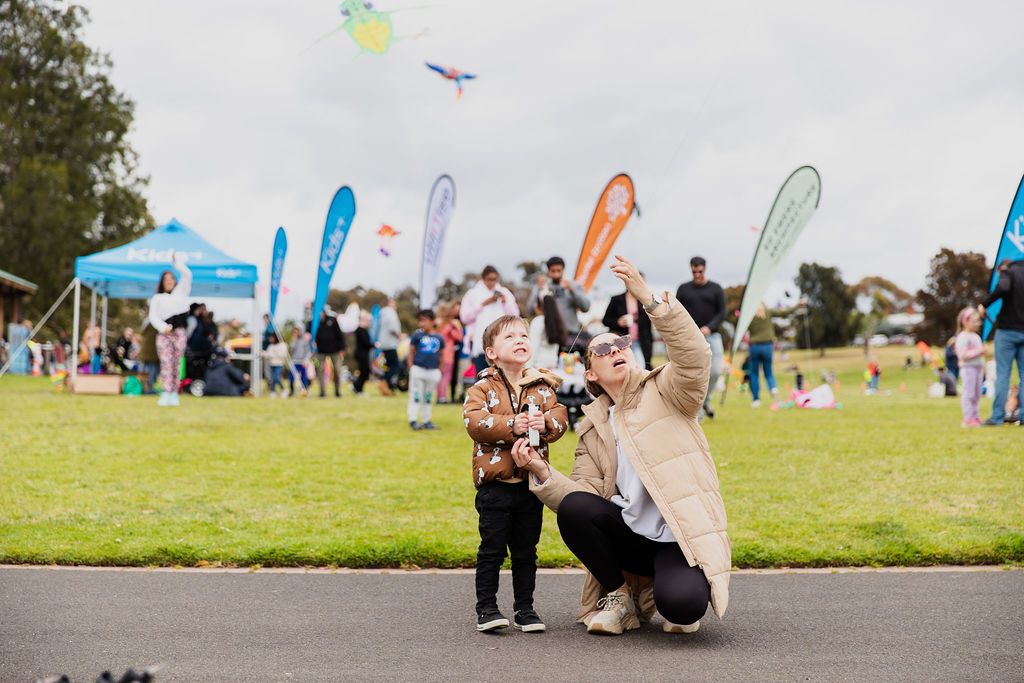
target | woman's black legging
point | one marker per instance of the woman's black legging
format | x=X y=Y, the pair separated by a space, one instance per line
x=594 y=531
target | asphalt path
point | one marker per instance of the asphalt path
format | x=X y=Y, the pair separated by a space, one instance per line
x=213 y=626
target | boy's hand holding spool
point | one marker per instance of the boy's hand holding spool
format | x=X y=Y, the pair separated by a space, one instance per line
x=521 y=425
x=535 y=424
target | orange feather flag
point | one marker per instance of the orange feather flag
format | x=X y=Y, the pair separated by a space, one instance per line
x=613 y=211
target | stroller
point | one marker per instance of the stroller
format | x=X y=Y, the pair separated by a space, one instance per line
x=197 y=358
x=573 y=392
x=195 y=372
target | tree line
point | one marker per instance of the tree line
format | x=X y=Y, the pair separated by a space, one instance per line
x=69 y=179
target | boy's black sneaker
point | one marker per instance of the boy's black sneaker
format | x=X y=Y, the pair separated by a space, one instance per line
x=429 y=425
x=415 y=426
x=490 y=620
x=527 y=621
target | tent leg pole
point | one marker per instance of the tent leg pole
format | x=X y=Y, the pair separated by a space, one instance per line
x=256 y=377
x=73 y=353
x=38 y=326
x=92 y=310
x=103 y=326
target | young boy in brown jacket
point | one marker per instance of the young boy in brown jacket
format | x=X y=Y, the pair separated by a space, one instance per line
x=509 y=402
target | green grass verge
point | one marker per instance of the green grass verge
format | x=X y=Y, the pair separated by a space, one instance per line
x=887 y=480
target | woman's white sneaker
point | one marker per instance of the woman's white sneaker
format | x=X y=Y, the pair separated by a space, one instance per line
x=669 y=627
x=618 y=614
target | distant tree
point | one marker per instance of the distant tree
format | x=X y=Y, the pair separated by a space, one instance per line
x=955 y=281
x=69 y=183
x=883 y=298
x=530 y=270
x=340 y=299
x=450 y=290
x=832 y=318
x=407 y=298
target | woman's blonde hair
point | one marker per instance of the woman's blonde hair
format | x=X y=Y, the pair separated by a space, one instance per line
x=594 y=388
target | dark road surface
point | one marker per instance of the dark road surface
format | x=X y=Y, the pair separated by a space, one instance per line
x=212 y=626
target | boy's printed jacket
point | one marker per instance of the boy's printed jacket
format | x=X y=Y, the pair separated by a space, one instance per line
x=490 y=408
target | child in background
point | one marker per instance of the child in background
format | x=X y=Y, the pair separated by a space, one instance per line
x=873 y=375
x=970 y=353
x=364 y=347
x=1013 y=404
x=508 y=402
x=301 y=354
x=424 y=355
x=952 y=362
x=276 y=355
x=451 y=332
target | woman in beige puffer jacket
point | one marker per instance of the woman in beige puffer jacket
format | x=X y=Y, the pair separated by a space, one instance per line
x=642 y=509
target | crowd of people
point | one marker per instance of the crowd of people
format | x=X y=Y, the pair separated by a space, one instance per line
x=176 y=328
x=435 y=361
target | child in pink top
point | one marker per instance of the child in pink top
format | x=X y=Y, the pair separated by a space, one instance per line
x=970 y=352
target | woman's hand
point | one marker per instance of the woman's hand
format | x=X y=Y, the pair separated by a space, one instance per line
x=526 y=458
x=630 y=276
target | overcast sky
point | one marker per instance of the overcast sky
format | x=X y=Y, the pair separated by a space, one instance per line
x=913 y=113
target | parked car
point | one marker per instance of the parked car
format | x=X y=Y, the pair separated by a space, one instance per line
x=878 y=340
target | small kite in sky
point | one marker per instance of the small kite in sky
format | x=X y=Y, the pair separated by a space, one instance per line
x=369 y=27
x=452 y=74
x=386 y=234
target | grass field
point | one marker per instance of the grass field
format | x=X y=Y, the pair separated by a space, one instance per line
x=886 y=480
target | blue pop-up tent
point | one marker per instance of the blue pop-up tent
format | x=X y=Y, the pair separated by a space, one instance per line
x=133 y=270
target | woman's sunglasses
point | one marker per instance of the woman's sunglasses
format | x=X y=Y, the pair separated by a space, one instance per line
x=603 y=349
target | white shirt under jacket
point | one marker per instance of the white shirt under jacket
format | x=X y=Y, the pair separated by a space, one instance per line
x=638 y=509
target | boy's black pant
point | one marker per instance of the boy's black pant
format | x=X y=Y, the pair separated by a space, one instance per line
x=510 y=517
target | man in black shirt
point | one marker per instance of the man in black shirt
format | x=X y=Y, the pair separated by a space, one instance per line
x=1009 y=337
x=704 y=300
x=330 y=346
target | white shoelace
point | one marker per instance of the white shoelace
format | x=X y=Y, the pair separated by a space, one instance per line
x=611 y=601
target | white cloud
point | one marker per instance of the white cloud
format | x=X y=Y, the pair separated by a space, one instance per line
x=910 y=111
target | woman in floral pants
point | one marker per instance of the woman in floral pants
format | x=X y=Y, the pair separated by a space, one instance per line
x=168 y=314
